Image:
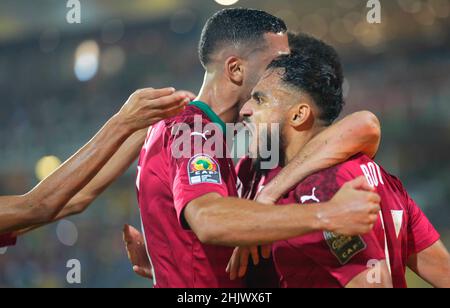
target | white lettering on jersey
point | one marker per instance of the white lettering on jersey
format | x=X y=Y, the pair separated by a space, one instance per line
x=372 y=172
x=311 y=197
x=397 y=216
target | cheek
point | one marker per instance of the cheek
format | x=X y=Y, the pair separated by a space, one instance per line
x=265 y=118
x=274 y=116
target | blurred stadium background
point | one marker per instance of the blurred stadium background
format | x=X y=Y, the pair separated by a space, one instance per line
x=60 y=82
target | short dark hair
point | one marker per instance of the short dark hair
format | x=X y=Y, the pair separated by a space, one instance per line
x=236 y=26
x=315 y=68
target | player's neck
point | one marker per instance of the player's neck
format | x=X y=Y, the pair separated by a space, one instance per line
x=295 y=141
x=222 y=100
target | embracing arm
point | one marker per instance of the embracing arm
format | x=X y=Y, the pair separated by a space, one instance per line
x=42 y=204
x=357 y=133
x=236 y=222
x=45 y=201
x=115 y=167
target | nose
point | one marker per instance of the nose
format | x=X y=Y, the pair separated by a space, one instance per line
x=246 y=110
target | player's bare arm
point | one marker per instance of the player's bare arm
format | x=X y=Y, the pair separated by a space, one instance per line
x=357 y=133
x=361 y=281
x=237 y=222
x=43 y=203
x=115 y=167
x=432 y=265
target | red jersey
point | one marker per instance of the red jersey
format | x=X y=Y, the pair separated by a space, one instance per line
x=327 y=260
x=167 y=184
x=7 y=240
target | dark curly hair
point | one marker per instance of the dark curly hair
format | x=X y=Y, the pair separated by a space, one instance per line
x=236 y=26
x=315 y=68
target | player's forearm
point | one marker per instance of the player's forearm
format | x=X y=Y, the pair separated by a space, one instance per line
x=237 y=222
x=432 y=265
x=45 y=201
x=357 y=133
x=116 y=167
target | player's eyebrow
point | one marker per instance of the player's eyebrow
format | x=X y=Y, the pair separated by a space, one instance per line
x=257 y=95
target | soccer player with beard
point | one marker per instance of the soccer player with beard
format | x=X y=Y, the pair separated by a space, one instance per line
x=303 y=93
x=189 y=206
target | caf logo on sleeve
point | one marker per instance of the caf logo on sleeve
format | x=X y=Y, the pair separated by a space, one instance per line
x=344 y=247
x=203 y=169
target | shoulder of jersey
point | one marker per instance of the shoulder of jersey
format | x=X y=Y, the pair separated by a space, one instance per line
x=330 y=175
x=353 y=162
x=187 y=117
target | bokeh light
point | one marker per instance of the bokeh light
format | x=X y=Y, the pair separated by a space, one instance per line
x=113 y=60
x=227 y=2
x=86 y=60
x=45 y=166
x=67 y=232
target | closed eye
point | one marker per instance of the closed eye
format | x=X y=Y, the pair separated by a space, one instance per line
x=257 y=97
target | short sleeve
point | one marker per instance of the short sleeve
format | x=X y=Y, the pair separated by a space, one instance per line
x=202 y=169
x=421 y=233
x=343 y=257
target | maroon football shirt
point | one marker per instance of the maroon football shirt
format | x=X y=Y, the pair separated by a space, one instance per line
x=7 y=240
x=327 y=260
x=166 y=184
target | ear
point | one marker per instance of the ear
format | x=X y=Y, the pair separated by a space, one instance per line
x=234 y=70
x=301 y=116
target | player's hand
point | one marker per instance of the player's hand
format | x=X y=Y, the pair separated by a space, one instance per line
x=146 y=107
x=238 y=264
x=134 y=242
x=353 y=210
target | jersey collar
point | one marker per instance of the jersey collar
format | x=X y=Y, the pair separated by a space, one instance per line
x=210 y=113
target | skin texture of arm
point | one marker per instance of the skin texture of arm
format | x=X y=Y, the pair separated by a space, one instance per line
x=432 y=265
x=42 y=205
x=357 y=133
x=113 y=169
x=361 y=281
x=116 y=166
x=45 y=201
x=236 y=222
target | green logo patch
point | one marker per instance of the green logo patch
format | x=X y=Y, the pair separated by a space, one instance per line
x=344 y=247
